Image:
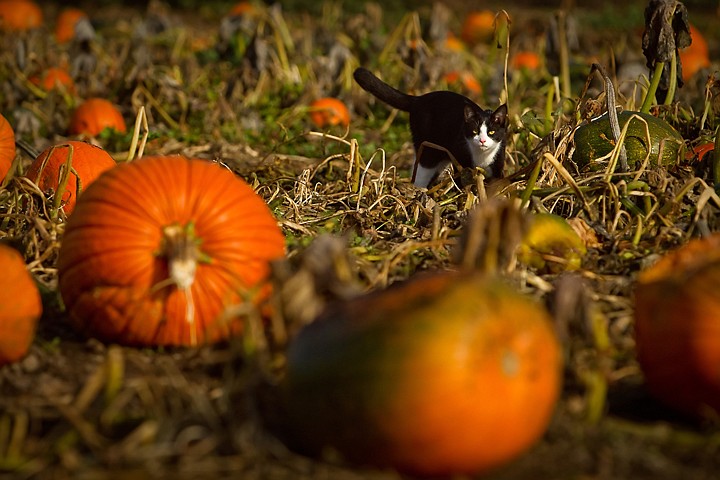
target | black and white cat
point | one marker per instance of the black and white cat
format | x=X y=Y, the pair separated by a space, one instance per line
x=473 y=136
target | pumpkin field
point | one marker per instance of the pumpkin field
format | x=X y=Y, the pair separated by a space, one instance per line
x=215 y=261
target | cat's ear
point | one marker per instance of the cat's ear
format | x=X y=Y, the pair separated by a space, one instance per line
x=500 y=115
x=468 y=113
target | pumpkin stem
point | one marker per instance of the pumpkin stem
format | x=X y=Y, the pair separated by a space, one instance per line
x=652 y=89
x=63 y=177
x=181 y=248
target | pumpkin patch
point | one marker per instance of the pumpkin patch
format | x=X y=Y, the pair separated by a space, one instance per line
x=240 y=278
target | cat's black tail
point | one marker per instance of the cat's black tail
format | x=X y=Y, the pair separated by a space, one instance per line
x=383 y=91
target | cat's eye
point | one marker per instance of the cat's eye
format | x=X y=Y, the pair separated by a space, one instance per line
x=491 y=132
x=475 y=132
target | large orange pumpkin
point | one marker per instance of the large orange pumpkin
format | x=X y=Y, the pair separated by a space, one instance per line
x=19 y=15
x=7 y=147
x=677 y=329
x=161 y=251
x=95 y=115
x=443 y=374
x=87 y=163
x=20 y=306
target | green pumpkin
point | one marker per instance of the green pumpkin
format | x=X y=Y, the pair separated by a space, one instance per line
x=595 y=140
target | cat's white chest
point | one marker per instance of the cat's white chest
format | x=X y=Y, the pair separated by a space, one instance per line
x=483 y=148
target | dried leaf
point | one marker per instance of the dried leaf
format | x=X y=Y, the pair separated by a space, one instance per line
x=666 y=30
x=585 y=232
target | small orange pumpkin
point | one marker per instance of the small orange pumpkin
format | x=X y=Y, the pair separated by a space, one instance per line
x=478 y=27
x=441 y=375
x=242 y=8
x=162 y=251
x=65 y=24
x=95 y=115
x=7 y=147
x=19 y=15
x=454 y=44
x=525 y=60
x=696 y=56
x=464 y=79
x=53 y=78
x=677 y=327
x=88 y=162
x=329 y=111
x=20 y=306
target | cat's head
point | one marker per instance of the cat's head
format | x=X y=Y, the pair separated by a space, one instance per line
x=488 y=125
x=498 y=117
